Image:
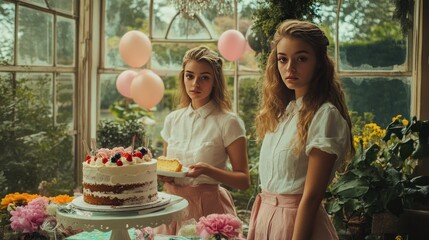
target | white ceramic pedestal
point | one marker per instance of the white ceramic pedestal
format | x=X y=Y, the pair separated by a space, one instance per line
x=120 y=222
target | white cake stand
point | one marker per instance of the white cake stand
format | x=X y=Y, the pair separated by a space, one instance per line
x=120 y=222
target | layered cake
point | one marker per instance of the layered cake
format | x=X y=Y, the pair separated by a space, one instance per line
x=169 y=164
x=120 y=177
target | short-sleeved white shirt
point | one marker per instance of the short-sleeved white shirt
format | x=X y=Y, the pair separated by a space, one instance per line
x=201 y=135
x=281 y=170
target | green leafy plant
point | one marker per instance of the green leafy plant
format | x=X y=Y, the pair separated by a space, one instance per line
x=112 y=133
x=130 y=121
x=127 y=110
x=381 y=176
x=32 y=146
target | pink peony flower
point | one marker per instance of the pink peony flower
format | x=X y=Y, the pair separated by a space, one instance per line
x=226 y=225
x=28 y=218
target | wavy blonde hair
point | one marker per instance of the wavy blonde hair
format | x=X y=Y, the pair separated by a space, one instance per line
x=219 y=94
x=324 y=87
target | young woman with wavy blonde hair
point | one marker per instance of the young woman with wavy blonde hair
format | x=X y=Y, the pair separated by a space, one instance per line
x=305 y=130
x=205 y=136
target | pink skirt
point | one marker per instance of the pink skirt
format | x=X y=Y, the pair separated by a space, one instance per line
x=203 y=200
x=273 y=217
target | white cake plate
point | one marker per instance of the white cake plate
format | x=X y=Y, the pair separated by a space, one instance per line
x=120 y=222
x=180 y=174
x=163 y=199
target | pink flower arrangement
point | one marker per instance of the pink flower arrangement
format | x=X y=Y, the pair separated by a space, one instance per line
x=32 y=216
x=219 y=226
x=28 y=218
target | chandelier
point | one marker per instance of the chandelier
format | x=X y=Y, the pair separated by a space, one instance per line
x=188 y=8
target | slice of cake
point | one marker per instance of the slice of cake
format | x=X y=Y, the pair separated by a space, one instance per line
x=168 y=164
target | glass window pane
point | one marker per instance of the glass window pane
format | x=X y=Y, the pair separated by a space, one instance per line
x=328 y=14
x=163 y=13
x=28 y=136
x=108 y=94
x=185 y=28
x=66 y=41
x=35 y=37
x=219 y=21
x=248 y=62
x=121 y=17
x=370 y=38
x=64 y=98
x=248 y=100
x=41 y=86
x=7 y=26
x=40 y=3
x=169 y=55
x=62 y=5
x=209 y=23
x=384 y=97
x=247 y=108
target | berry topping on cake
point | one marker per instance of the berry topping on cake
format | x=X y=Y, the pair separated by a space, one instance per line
x=138 y=154
x=111 y=157
x=115 y=158
x=144 y=150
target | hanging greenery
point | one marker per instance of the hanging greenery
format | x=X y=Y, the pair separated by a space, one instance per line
x=269 y=14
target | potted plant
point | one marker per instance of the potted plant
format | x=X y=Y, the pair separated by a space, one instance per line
x=380 y=178
x=130 y=122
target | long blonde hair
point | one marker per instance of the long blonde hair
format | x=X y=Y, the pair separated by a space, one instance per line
x=219 y=94
x=325 y=86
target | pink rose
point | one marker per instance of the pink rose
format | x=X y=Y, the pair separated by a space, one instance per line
x=226 y=225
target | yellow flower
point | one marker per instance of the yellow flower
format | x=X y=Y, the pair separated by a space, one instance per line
x=61 y=199
x=405 y=122
x=396 y=118
x=24 y=198
x=15 y=198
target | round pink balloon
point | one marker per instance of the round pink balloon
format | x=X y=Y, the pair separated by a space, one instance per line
x=135 y=48
x=147 y=89
x=231 y=44
x=123 y=82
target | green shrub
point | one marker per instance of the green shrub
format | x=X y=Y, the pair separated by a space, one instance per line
x=32 y=147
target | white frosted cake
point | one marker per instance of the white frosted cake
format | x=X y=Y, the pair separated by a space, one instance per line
x=120 y=177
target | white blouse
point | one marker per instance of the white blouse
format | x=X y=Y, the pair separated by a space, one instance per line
x=281 y=170
x=201 y=135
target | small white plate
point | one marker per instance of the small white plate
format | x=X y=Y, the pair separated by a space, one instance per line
x=174 y=174
x=163 y=199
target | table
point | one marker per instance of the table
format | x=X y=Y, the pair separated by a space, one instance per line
x=119 y=222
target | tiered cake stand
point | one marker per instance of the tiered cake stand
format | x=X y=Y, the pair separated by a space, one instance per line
x=120 y=221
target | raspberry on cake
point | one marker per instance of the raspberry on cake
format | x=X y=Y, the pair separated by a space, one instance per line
x=168 y=164
x=120 y=176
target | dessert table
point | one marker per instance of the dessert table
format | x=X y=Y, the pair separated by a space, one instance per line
x=120 y=222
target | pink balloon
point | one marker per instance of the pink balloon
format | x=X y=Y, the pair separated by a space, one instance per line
x=135 y=48
x=231 y=44
x=147 y=89
x=123 y=82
